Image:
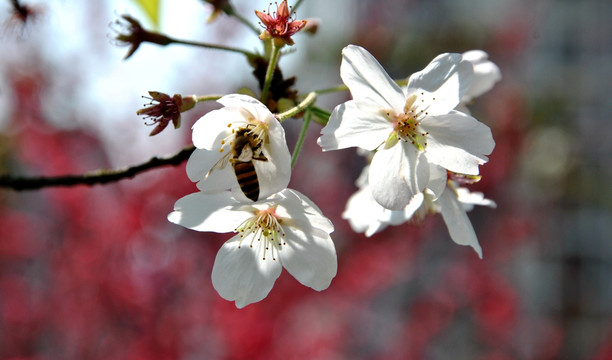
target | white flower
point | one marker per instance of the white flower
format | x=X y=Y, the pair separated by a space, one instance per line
x=228 y=140
x=366 y=215
x=410 y=129
x=285 y=230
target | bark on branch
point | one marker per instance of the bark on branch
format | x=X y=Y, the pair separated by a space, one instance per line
x=101 y=176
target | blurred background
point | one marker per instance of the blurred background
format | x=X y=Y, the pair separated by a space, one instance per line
x=99 y=273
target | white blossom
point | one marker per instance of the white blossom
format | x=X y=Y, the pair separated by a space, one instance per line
x=409 y=129
x=284 y=230
x=366 y=216
x=216 y=137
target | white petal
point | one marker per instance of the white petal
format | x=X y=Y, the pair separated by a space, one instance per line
x=392 y=176
x=398 y=217
x=486 y=74
x=368 y=81
x=240 y=274
x=437 y=179
x=357 y=210
x=208 y=212
x=274 y=175
x=219 y=179
x=377 y=226
x=418 y=177
x=475 y=56
x=457 y=142
x=459 y=226
x=303 y=212
x=252 y=105
x=446 y=78
x=412 y=207
x=469 y=199
x=362 y=125
x=200 y=163
x=364 y=213
x=309 y=257
x=211 y=128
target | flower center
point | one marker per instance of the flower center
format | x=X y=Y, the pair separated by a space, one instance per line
x=263 y=226
x=406 y=125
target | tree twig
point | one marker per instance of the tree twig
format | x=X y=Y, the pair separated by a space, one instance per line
x=101 y=176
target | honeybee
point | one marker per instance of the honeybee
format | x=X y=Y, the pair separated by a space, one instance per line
x=246 y=148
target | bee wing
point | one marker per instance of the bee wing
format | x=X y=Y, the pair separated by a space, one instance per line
x=246 y=154
x=219 y=165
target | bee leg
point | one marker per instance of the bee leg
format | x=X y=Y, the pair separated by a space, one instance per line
x=261 y=158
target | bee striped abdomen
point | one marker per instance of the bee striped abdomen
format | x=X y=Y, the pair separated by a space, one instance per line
x=247 y=179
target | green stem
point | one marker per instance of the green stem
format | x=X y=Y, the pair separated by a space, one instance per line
x=308 y=100
x=212 y=46
x=206 y=98
x=301 y=137
x=338 y=88
x=270 y=72
x=321 y=115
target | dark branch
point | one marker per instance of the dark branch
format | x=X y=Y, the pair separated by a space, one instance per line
x=96 y=177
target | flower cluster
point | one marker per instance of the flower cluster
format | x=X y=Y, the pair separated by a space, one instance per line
x=242 y=168
x=421 y=139
x=417 y=136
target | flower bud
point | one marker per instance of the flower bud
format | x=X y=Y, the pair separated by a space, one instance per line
x=165 y=109
x=131 y=33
